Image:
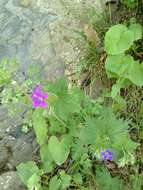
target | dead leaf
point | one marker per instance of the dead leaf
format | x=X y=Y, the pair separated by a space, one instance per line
x=91 y=35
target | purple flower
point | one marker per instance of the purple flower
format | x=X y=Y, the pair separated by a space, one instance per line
x=39 y=97
x=107 y=155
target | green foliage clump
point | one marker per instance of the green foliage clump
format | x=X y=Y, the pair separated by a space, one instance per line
x=106 y=182
x=120 y=38
x=86 y=133
x=119 y=64
x=130 y=3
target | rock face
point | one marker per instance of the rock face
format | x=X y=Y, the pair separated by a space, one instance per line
x=39 y=35
x=25 y=34
x=10 y=181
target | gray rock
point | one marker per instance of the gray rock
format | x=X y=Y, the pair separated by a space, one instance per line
x=9 y=122
x=16 y=148
x=3 y=156
x=11 y=181
x=21 y=152
x=27 y=33
x=3 y=113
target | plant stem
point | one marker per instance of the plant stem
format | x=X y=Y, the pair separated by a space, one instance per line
x=60 y=120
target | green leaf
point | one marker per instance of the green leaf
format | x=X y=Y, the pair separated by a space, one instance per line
x=135 y=73
x=65 y=179
x=136 y=181
x=46 y=158
x=88 y=133
x=40 y=126
x=86 y=163
x=137 y=30
x=119 y=104
x=77 y=151
x=124 y=67
x=51 y=98
x=118 y=39
x=126 y=159
x=34 y=182
x=117 y=65
x=4 y=77
x=26 y=170
x=106 y=182
x=130 y=3
x=77 y=178
x=124 y=142
x=58 y=87
x=55 y=183
x=115 y=90
x=56 y=126
x=65 y=102
x=58 y=149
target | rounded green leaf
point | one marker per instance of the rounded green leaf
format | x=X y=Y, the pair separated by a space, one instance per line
x=125 y=67
x=65 y=179
x=137 y=31
x=135 y=73
x=34 y=182
x=26 y=170
x=59 y=150
x=118 y=39
x=117 y=65
x=40 y=126
x=55 y=183
x=47 y=160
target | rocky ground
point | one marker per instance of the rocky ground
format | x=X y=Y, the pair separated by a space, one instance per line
x=38 y=33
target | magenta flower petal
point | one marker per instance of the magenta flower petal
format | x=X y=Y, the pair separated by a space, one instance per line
x=45 y=95
x=36 y=104
x=39 y=97
x=44 y=104
x=38 y=88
